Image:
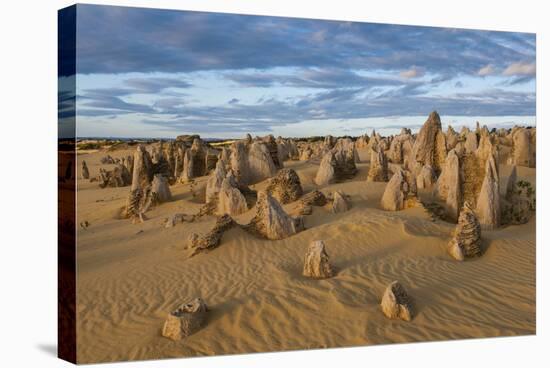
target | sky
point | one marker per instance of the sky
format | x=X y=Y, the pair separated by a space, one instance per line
x=160 y=73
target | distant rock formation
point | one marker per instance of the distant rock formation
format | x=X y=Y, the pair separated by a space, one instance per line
x=185 y=320
x=400 y=192
x=252 y=161
x=337 y=164
x=378 y=170
x=396 y=302
x=316 y=262
x=519 y=204
x=285 y=186
x=466 y=241
x=271 y=221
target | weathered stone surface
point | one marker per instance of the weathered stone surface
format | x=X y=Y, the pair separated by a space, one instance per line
x=449 y=185
x=399 y=192
x=519 y=204
x=314 y=198
x=187 y=171
x=466 y=240
x=115 y=178
x=396 y=303
x=426 y=178
x=522 y=152
x=230 y=199
x=488 y=201
x=160 y=190
x=430 y=146
x=143 y=169
x=271 y=221
x=214 y=183
x=260 y=163
x=185 y=320
x=85 y=171
x=316 y=262
x=211 y=239
x=470 y=145
x=378 y=170
x=339 y=202
x=326 y=174
x=285 y=186
x=239 y=162
x=273 y=150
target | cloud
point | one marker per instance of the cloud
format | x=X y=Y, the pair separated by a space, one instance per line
x=459 y=84
x=233 y=101
x=413 y=72
x=486 y=70
x=521 y=68
x=122 y=39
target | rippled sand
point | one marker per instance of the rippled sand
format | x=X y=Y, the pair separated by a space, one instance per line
x=131 y=275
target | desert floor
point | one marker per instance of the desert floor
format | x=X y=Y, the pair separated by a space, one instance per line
x=130 y=276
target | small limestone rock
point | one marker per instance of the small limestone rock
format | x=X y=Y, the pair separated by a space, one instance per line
x=314 y=198
x=271 y=221
x=339 y=202
x=396 y=303
x=185 y=320
x=316 y=262
x=326 y=172
x=212 y=238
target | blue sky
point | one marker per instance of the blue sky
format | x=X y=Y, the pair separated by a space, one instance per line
x=159 y=73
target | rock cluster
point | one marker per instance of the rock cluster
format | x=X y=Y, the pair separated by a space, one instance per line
x=316 y=261
x=340 y=202
x=430 y=146
x=252 y=161
x=185 y=320
x=338 y=163
x=396 y=303
x=117 y=177
x=230 y=201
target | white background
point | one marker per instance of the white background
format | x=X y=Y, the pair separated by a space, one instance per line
x=28 y=188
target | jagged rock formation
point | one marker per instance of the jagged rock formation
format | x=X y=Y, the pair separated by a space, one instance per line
x=129 y=163
x=306 y=154
x=314 y=198
x=429 y=147
x=230 y=199
x=396 y=302
x=466 y=241
x=185 y=320
x=378 y=170
x=337 y=164
x=285 y=186
x=316 y=262
x=451 y=137
x=214 y=183
x=400 y=149
x=117 y=177
x=470 y=144
x=273 y=150
x=339 y=202
x=211 y=239
x=160 y=190
x=488 y=201
x=271 y=221
x=85 y=171
x=449 y=185
x=426 y=178
x=107 y=160
x=143 y=169
x=400 y=192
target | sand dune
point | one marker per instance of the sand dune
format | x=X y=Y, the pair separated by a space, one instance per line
x=131 y=275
